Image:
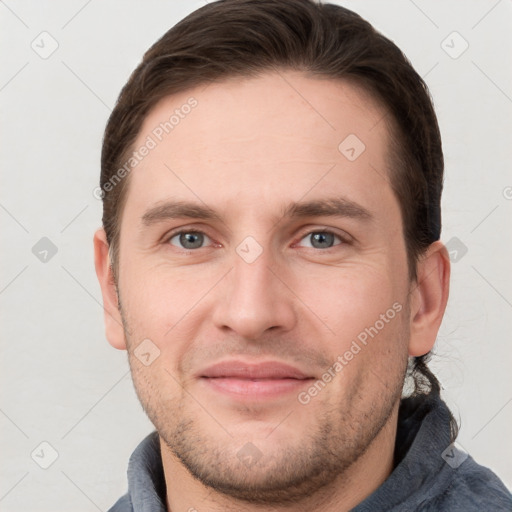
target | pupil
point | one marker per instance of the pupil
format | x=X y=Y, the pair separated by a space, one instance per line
x=323 y=239
x=191 y=240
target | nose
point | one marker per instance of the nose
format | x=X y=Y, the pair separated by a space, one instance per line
x=255 y=298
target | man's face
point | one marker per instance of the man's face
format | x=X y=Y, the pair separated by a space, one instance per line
x=249 y=311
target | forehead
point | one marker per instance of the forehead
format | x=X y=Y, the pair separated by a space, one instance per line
x=281 y=133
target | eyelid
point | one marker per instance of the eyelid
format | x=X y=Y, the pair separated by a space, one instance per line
x=184 y=229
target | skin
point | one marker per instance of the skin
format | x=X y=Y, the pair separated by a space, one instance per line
x=248 y=149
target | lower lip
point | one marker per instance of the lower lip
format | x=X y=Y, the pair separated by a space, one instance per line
x=256 y=388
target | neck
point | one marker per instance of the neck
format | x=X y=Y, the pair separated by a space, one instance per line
x=362 y=478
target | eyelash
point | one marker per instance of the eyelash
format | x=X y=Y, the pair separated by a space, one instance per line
x=343 y=240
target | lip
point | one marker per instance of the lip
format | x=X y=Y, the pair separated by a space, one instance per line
x=265 y=370
x=263 y=380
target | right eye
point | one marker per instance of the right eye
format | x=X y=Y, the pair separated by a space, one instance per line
x=188 y=240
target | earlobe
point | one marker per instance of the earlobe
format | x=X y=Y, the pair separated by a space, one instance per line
x=429 y=296
x=113 y=322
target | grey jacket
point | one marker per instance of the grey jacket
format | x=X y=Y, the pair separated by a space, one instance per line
x=430 y=474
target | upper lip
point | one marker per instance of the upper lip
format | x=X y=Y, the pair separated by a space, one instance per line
x=242 y=370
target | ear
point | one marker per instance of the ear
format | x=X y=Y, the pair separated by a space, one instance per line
x=113 y=322
x=429 y=296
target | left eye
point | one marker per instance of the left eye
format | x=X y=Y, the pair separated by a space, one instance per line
x=189 y=239
x=322 y=239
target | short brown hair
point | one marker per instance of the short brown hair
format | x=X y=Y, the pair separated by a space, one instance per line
x=231 y=38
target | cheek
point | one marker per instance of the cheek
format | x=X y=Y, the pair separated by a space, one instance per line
x=165 y=306
x=161 y=296
x=368 y=317
x=350 y=300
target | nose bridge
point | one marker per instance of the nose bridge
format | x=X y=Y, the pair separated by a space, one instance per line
x=255 y=298
x=252 y=278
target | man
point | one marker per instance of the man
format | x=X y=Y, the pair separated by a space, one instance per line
x=270 y=259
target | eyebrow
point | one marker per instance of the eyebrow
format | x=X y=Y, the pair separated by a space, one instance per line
x=328 y=207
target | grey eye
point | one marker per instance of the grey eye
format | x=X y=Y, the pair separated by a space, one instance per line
x=189 y=240
x=321 y=239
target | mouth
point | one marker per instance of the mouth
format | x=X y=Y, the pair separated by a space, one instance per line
x=245 y=381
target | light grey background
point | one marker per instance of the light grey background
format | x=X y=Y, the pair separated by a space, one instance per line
x=61 y=381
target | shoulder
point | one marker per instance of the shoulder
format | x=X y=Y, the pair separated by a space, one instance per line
x=470 y=487
x=123 y=504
